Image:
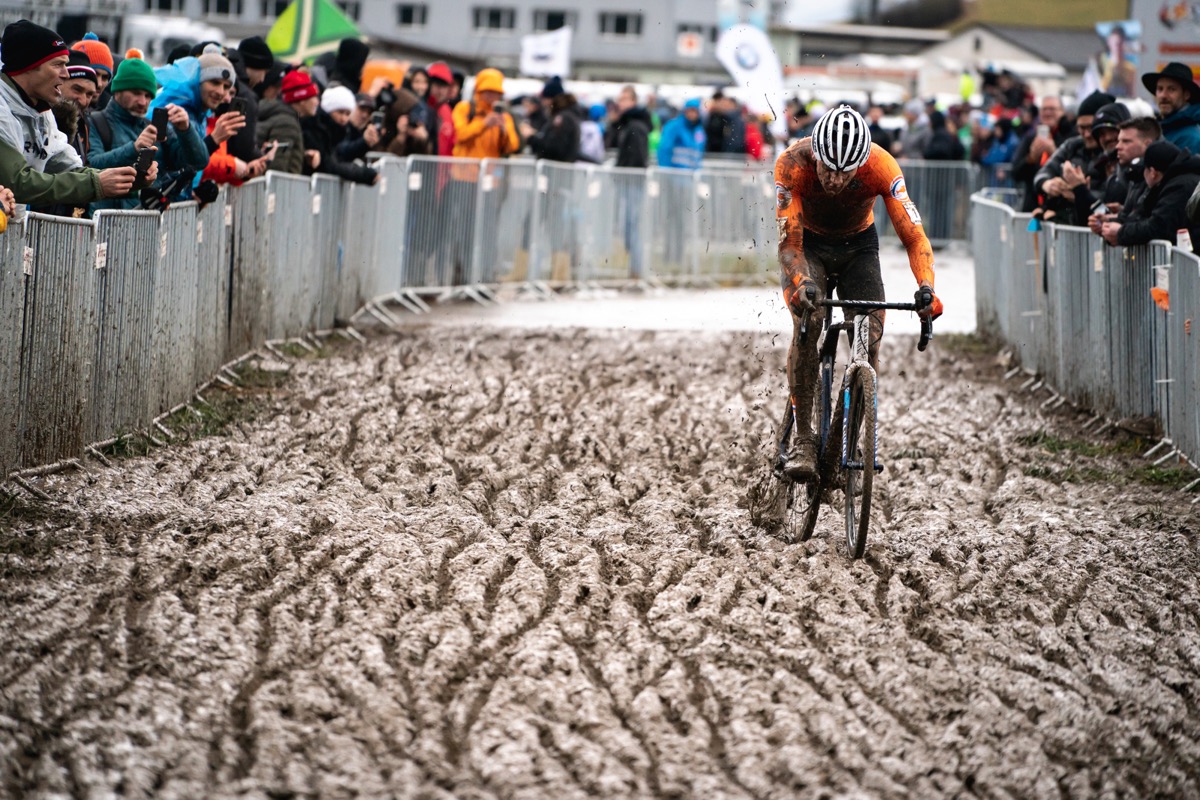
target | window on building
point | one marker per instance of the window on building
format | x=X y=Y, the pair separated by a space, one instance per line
x=708 y=32
x=618 y=23
x=492 y=18
x=164 y=5
x=223 y=8
x=273 y=8
x=411 y=15
x=546 y=20
x=351 y=8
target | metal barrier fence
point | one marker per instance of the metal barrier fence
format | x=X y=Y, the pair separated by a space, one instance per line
x=112 y=322
x=1080 y=314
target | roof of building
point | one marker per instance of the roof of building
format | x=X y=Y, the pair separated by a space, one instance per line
x=1070 y=48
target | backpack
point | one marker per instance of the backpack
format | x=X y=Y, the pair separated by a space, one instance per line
x=591 y=142
x=103 y=128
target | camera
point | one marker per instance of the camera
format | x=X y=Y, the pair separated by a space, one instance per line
x=500 y=107
x=386 y=96
x=145 y=156
x=377 y=119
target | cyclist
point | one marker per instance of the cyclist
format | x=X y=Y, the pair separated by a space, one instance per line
x=825 y=190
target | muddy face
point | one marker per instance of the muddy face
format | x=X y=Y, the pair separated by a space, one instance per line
x=514 y=563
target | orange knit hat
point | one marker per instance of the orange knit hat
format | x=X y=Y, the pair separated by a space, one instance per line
x=97 y=51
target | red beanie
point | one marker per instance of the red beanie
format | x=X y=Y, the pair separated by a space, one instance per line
x=297 y=86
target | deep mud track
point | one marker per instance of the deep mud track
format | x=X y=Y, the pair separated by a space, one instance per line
x=482 y=563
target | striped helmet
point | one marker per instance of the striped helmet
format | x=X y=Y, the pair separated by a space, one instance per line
x=841 y=139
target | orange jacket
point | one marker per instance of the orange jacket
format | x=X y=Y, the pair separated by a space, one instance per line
x=477 y=140
x=222 y=165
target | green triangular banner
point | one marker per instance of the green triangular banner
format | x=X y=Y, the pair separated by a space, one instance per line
x=308 y=28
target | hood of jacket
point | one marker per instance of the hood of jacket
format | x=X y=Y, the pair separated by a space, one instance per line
x=269 y=109
x=180 y=83
x=1184 y=164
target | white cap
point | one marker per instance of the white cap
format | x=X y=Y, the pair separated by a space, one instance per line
x=337 y=98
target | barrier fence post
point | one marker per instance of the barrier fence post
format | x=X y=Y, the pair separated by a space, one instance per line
x=12 y=311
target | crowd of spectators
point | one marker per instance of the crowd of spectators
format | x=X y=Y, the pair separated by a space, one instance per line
x=124 y=134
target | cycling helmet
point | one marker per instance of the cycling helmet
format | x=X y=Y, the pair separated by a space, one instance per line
x=841 y=139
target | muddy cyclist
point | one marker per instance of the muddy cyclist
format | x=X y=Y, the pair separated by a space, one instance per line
x=825 y=190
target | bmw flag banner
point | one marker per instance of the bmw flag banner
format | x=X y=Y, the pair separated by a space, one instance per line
x=746 y=52
x=544 y=55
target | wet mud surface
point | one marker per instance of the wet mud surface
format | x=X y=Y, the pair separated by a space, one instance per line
x=520 y=564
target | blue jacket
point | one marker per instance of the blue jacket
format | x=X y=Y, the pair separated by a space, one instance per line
x=682 y=144
x=180 y=151
x=181 y=85
x=1182 y=128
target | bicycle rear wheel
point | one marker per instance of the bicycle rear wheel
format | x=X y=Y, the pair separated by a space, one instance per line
x=860 y=448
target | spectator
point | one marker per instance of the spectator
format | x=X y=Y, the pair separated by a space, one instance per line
x=1176 y=95
x=755 y=143
x=36 y=161
x=417 y=82
x=591 y=134
x=1103 y=180
x=243 y=144
x=915 y=138
x=725 y=130
x=1133 y=137
x=483 y=132
x=629 y=135
x=441 y=116
x=257 y=60
x=405 y=126
x=1079 y=151
x=78 y=92
x=323 y=132
x=683 y=139
x=362 y=136
x=558 y=139
x=456 y=87
x=943 y=145
x=199 y=85
x=279 y=119
x=1171 y=175
x=100 y=58
x=879 y=135
x=531 y=109
x=629 y=132
x=120 y=130
x=344 y=68
x=1035 y=149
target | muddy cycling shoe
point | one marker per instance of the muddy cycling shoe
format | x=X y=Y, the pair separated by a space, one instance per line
x=802 y=458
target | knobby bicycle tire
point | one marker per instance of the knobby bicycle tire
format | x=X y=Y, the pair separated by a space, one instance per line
x=860 y=448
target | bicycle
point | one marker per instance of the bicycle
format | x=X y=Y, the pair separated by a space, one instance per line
x=855 y=427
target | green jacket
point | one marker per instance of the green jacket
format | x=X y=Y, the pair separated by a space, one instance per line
x=76 y=187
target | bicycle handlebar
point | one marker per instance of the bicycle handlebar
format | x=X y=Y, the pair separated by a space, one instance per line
x=872 y=305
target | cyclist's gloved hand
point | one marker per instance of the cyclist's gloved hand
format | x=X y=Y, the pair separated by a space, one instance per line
x=928 y=302
x=798 y=297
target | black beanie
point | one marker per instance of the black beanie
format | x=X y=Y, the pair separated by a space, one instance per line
x=553 y=88
x=26 y=46
x=1094 y=102
x=255 y=53
x=1160 y=155
x=80 y=66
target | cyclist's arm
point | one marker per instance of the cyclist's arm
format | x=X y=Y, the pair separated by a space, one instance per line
x=790 y=221
x=906 y=219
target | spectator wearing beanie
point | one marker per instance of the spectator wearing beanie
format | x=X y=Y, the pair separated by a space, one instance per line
x=323 y=133
x=1171 y=176
x=78 y=93
x=279 y=119
x=122 y=128
x=558 y=139
x=1078 y=150
x=101 y=59
x=243 y=145
x=257 y=59
x=36 y=161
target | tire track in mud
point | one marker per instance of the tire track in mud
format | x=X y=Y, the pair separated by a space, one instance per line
x=510 y=564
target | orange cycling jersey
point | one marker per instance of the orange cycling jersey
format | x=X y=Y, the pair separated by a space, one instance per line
x=802 y=204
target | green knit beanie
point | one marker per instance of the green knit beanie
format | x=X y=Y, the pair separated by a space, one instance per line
x=134 y=73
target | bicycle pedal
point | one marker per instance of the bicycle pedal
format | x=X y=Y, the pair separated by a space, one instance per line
x=878 y=468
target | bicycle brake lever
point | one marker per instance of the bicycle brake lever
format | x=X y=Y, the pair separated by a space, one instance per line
x=926 y=334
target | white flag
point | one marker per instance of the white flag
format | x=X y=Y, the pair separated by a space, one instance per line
x=544 y=55
x=747 y=53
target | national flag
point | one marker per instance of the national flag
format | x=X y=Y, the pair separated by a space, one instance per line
x=308 y=28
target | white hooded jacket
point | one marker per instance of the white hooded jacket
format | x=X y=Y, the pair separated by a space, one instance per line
x=35 y=134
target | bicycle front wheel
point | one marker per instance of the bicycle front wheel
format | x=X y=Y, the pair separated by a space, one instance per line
x=860 y=449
